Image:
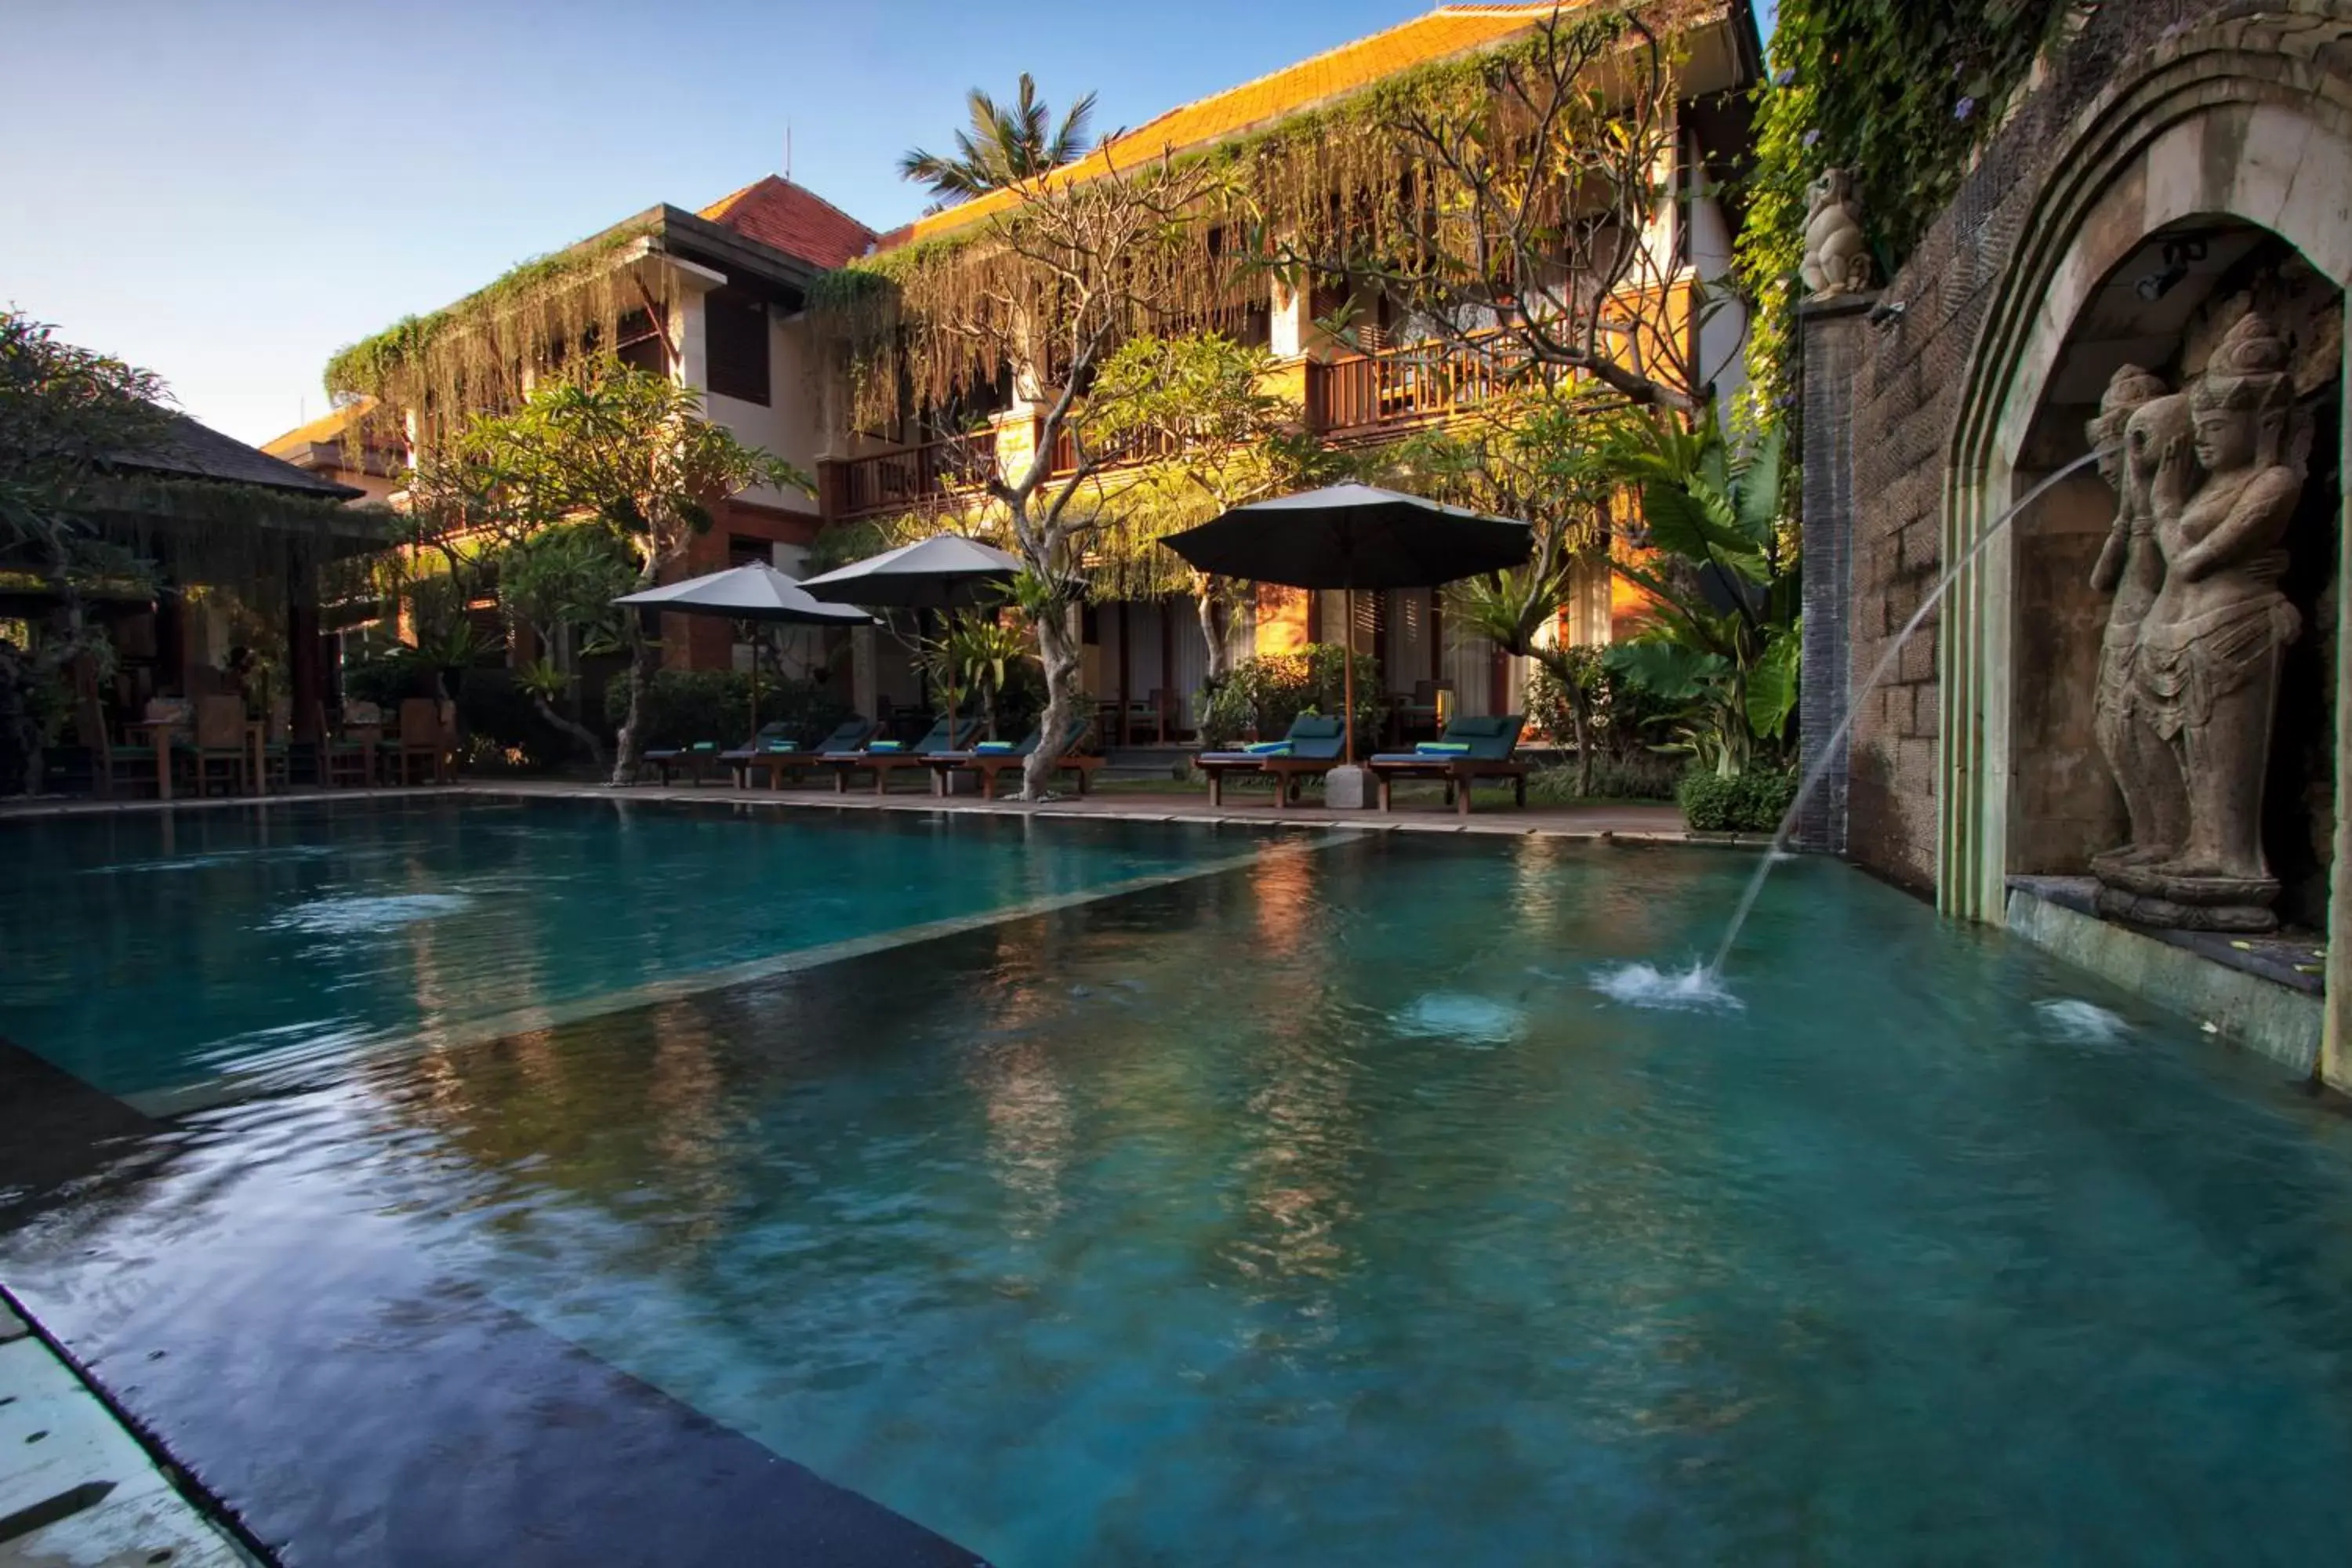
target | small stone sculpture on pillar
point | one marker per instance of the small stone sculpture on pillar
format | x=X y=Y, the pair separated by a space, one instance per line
x=2205 y=665
x=1837 y=258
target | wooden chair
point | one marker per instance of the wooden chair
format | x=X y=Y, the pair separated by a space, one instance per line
x=220 y=749
x=1310 y=750
x=345 y=760
x=422 y=740
x=1152 y=710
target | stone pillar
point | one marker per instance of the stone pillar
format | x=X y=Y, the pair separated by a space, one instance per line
x=1830 y=341
x=305 y=649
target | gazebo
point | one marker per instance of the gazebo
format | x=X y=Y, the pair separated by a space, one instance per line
x=206 y=510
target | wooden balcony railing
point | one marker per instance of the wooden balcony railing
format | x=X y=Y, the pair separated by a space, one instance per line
x=1391 y=389
x=1354 y=398
x=908 y=478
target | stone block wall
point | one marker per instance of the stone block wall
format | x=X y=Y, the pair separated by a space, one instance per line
x=1909 y=376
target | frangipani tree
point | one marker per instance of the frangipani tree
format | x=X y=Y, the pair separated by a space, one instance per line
x=623 y=448
x=1199 y=409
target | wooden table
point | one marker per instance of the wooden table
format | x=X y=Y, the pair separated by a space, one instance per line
x=160 y=732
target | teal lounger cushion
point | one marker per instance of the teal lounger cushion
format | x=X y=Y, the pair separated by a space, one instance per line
x=784 y=745
x=1442 y=748
x=706 y=745
x=996 y=748
x=884 y=746
x=1268 y=748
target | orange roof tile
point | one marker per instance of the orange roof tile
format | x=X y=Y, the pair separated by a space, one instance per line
x=1443 y=34
x=793 y=219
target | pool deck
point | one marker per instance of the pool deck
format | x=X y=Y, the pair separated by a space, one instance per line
x=1652 y=824
x=75 y=1484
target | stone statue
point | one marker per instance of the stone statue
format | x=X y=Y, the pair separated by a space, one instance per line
x=2136 y=421
x=1836 y=261
x=2206 y=670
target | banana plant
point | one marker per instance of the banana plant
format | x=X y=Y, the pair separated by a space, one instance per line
x=1722 y=641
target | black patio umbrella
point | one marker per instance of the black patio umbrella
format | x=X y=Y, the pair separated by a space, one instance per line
x=1350 y=537
x=945 y=572
x=754 y=592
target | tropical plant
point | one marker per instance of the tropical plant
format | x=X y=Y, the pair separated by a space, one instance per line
x=1198 y=406
x=623 y=448
x=67 y=416
x=1264 y=694
x=1720 y=643
x=1542 y=455
x=1007 y=143
x=684 y=707
x=976 y=653
x=561 y=583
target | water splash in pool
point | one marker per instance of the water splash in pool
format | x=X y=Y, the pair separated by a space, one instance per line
x=349 y=914
x=1464 y=1019
x=2084 y=1023
x=1698 y=988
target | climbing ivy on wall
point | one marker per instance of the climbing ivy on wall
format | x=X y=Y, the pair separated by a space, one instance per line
x=1901 y=93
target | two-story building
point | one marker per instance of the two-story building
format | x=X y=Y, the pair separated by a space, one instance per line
x=720 y=300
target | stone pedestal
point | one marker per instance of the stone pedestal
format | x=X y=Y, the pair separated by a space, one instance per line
x=1347 y=789
x=1829 y=337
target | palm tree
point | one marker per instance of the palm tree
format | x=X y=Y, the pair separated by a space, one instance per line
x=1007 y=143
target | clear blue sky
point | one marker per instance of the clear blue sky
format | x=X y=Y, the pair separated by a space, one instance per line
x=226 y=190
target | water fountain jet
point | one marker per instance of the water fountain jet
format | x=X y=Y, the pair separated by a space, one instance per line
x=1814 y=774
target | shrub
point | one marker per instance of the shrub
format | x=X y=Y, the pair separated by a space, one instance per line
x=685 y=706
x=384 y=679
x=1262 y=695
x=1752 y=801
x=503 y=728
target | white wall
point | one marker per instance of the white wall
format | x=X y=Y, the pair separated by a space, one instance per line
x=792 y=425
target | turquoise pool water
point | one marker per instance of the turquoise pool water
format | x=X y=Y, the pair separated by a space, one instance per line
x=151 y=952
x=1326 y=1211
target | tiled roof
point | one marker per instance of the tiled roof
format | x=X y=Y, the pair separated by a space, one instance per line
x=325 y=430
x=793 y=219
x=1446 y=32
x=198 y=451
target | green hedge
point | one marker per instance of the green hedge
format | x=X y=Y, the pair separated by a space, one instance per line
x=1752 y=802
x=686 y=706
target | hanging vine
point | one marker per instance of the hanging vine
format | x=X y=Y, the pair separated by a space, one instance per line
x=1901 y=94
x=477 y=356
x=1336 y=180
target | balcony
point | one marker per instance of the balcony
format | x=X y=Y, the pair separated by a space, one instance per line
x=1353 y=399
x=908 y=480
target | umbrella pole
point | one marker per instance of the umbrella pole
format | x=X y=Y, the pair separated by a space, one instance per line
x=1348 y=671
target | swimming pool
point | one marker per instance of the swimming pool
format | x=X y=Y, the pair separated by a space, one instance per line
x=165 y=951
x=1316 y=1210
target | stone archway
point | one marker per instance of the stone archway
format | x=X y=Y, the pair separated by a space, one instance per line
x=2242 y=127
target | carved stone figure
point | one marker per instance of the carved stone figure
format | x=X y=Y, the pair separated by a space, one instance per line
x=2206 y=670
x=2137 y=420
x=1837 y=260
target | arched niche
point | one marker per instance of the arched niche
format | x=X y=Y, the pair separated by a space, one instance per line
x=2241 y=126
x=2161 y=310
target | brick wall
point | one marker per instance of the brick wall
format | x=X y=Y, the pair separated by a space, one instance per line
x=1907 y=383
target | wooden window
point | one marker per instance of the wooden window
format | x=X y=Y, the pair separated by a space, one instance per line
x=735 y=333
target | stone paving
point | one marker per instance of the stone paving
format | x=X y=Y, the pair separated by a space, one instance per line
x=76 y=1488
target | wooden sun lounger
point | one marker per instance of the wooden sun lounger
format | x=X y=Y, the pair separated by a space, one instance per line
x=883 y=764
x=1492 y=741
x=1316 y=744
x=988 y=765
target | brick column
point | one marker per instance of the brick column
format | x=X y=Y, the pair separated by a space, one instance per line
x=1829 y=344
